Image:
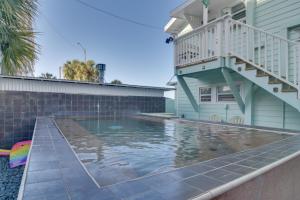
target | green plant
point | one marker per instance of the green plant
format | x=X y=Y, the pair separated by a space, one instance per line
x=17 y=47
x=116 y=82
x=47 y=76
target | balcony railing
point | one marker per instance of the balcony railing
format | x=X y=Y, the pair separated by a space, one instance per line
x=200 y=45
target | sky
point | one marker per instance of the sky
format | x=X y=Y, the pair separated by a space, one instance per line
x=133 y=54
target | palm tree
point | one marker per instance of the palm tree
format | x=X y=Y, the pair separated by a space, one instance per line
x=17 y=47
x=81 y=71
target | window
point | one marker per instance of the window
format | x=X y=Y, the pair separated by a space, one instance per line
x=239 y=12
x=224 y=93
x=205 y=95
x=294 y=33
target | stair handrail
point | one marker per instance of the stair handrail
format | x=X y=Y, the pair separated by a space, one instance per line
x=265 y=32
x=279 y=67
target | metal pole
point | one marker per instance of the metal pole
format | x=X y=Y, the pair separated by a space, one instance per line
x=84 y=50
x=60 y=72
x=1 y=67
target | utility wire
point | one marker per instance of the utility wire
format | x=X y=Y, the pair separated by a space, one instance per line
x=118 y=16
x=56 y=30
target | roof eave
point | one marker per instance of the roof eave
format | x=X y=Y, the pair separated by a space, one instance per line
x=88 y=83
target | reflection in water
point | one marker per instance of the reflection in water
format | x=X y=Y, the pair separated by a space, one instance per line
x=116 y=151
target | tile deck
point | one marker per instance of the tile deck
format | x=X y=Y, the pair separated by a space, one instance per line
x=54 y=172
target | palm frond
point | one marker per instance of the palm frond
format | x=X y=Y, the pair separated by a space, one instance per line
x=17 y=47
x=18 y=13
x=19 y=52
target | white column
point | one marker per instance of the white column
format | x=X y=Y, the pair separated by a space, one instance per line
x=205 y=15
x=218 y=40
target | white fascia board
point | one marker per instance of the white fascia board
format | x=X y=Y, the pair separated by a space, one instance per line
x=177 y=11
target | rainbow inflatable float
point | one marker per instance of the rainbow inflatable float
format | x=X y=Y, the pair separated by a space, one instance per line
x=18 y=154
x=4 y=152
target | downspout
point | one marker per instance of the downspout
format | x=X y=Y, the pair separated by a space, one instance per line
x=226 y=110
x=283 y=115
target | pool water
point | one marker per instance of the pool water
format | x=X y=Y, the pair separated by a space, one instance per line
x=120 y=150
x=10 y=180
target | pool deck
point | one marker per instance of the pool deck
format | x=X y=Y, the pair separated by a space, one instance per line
x=55 y=172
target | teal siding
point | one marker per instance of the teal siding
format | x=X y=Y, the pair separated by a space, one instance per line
x=292 y=118
x=184 y=106
x=268 y=110
x=170 y=106
x=272 y=112
x=276 y=15
x=207 y=110
x=225 y=111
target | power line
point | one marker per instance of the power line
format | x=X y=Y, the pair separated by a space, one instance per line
x=119 y=17
x=50 y=24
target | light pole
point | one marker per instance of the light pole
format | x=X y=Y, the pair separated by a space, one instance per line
x=1 y=71
x=84 y=50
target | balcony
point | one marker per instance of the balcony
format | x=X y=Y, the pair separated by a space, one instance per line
x=200 y=45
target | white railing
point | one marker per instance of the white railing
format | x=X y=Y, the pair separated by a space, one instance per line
x=227 y=37
x=270 y=53
x=199 y=45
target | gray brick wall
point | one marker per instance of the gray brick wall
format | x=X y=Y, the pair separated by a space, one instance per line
x=18 y=110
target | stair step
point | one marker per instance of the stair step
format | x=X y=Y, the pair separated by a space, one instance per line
x=239 y=62
x=264 y=79
x=288 y=88
x=260 y=73
x=250 y=67
x=273 y=80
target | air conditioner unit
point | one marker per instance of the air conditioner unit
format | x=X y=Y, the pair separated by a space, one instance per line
x=226 y=11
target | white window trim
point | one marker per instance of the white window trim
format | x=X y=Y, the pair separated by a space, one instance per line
x=211 y=95
x=228 y=102
x=214 y=97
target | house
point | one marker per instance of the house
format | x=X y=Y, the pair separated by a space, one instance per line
x=238 y=61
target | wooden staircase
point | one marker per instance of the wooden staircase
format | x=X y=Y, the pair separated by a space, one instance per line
x=267 y=81
x=269 y=61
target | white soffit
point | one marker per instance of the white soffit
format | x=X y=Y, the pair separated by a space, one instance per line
x=195 y=7
x=175 y=25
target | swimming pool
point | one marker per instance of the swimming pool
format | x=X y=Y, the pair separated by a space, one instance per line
x=115 y=151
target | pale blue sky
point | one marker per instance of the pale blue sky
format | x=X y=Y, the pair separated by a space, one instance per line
x=133 y=54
